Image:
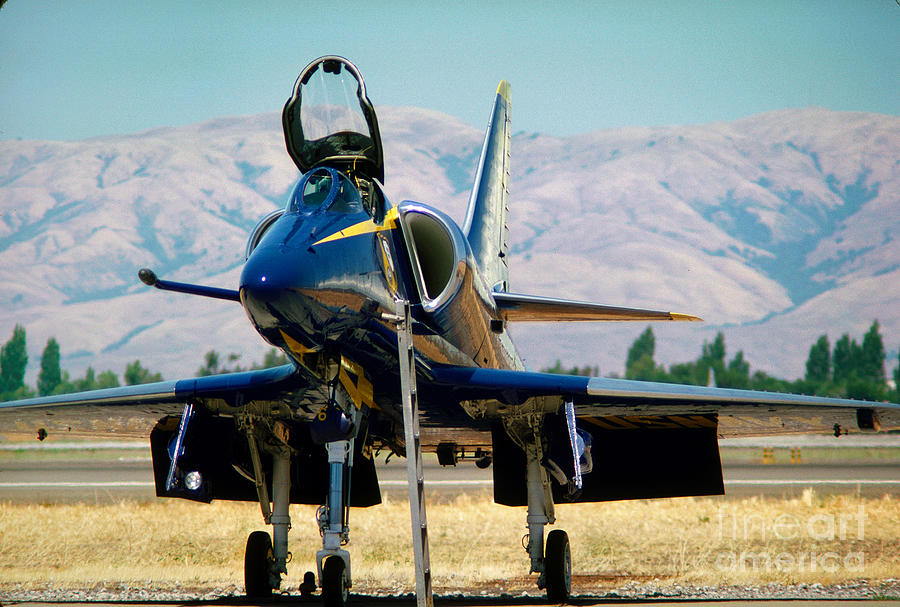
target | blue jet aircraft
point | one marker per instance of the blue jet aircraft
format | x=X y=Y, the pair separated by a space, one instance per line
x=395 y=323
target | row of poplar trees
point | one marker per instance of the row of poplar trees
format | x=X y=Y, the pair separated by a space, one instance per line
x=849 y=369
x=51 y=378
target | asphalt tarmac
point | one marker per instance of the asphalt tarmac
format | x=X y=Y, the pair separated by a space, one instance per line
x=129 y=475
x=44 y=474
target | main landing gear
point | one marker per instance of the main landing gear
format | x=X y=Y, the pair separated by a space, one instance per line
x=553 y=563
x=266 y=557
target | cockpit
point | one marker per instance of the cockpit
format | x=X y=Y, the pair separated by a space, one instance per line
x=325 y=189
x=331 y=133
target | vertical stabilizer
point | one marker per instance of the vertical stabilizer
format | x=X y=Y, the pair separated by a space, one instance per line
x=486 y=217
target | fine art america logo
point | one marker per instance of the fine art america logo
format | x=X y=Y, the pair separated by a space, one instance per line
x=792 y=543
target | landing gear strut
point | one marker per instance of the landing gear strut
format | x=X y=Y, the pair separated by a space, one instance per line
x=554 y=565
x=266 y=557
x=333 y=561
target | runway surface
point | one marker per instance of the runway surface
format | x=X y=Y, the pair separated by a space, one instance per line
x=390 y=602
x=110 y=475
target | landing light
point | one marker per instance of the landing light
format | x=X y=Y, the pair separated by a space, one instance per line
x=193 y=480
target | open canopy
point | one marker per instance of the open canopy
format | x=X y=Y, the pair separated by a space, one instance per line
x=329 y=121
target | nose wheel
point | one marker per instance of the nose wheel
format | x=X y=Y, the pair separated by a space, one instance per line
x=335 y=590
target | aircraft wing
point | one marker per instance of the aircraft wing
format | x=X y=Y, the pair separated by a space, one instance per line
x=133 y=410
x=622 y=404
x=515 y=307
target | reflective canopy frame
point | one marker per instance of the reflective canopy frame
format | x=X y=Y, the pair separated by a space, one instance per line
x=311 y=132
x=325 y=189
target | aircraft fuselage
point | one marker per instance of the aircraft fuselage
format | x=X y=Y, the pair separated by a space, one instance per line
x=321 y=281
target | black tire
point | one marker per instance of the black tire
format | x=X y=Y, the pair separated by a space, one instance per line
x=258 y=559
x=558 y=567
x=334 y=582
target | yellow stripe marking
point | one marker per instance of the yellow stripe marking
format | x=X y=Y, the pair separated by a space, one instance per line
x=295 y=346
x=363 y=227
x=361 y=392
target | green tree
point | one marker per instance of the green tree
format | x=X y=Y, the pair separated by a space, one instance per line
x=871 y=363
x=684 y=373
x=861 y=389
x=896 y=397
x=639 y=363
x=737 y=374
x=108 y=379
x=842 y=360
x=273 y=358
x=88 y=382
x=764 y=381
x=212 y=364
x=712 y=357
x=136 y=374
x=644 y=369
x=13 y=360
x=715 y=352
x=644 y=345
x=558 y=368
x=818 y=365
x=50 y=375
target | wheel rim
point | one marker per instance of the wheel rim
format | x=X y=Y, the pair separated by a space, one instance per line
x=558 y=566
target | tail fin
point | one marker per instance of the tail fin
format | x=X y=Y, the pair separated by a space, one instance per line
x=485 y=224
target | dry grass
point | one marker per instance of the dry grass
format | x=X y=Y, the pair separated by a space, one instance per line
x=688 y=540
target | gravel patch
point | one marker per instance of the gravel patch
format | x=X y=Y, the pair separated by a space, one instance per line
x=862 y=589
x=885 y=589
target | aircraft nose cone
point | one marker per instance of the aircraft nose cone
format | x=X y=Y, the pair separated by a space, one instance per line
x=275 y=287
x=312 y=287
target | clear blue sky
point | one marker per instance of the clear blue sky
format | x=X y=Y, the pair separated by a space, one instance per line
x=75 y=68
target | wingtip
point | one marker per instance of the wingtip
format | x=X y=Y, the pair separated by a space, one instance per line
x=685 y=317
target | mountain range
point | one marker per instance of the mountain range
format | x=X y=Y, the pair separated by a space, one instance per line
x=775 y=229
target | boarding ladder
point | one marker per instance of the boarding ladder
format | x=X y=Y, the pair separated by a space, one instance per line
x=414 y=467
